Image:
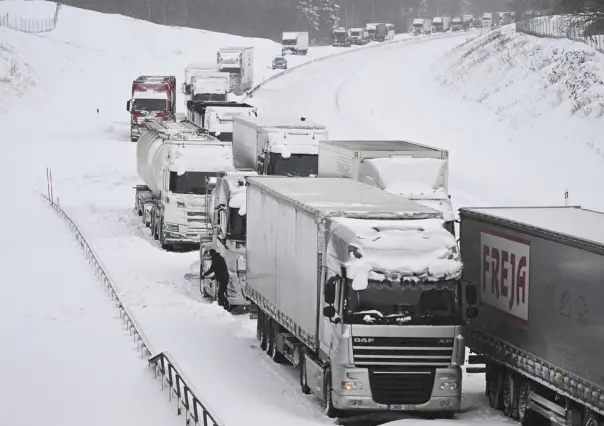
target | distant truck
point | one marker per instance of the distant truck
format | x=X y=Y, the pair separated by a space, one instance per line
x=273 y=145
x=381 y=32
x=390 y=31
x=441 y=24
x=152 y=97
x=227 y=215
x=190 y=71
x=533 y=293
x=487 y=21
x=422 y=26
x=359 y=36
x=239 y=63
x=359 y=289
x=217 y=117
x=371 y=29
x=175 y=162
x=457 y=24
x=466 y=22
x=341 y=37
x=294 y=43
x=413 y=171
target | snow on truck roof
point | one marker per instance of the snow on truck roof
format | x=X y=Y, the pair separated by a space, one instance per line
x=332 y=197
x=150 y=94
x=359 y=145
x=212 y=158
x=282 y=122
x=410 y=249
x=574 y=222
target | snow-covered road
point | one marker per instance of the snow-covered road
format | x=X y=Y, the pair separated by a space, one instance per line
x=67 y=360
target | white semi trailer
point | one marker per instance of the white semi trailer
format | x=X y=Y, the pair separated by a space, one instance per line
x=413 y=171
x=273 y=145
x=176 y=162
x=191 y=70
x=360 y=290
x=239 y=63
x=294 y=43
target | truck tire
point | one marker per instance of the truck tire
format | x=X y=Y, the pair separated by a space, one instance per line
x=133 y=139
x=591 y=419
x=303 y=382
x=509 y=395
x=494 y=386
x=524 y=388
x=263 y=337
x=274 y=353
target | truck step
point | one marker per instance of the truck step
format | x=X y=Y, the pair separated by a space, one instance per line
x=474 y=370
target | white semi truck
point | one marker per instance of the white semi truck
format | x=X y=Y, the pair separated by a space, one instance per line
x=360 y=290
x=441 y=24
x=175 y=162
x=191 y=70
x=294 y=43
x=227 y=215
x=273 y=145
x=217 y=117
x=422 y=26
x=359 y=36
x=239 y=63
x=210 y=86
x=413 y=171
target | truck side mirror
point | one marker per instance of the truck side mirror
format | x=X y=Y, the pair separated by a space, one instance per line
x=329 y=311
x=128 y=106
x=329 y=292
x=471 y=295
x=472 y=312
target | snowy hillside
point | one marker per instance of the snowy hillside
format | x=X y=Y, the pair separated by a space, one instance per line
x=547 y=98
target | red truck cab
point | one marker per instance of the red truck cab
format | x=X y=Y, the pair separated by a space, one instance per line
x=152 y=97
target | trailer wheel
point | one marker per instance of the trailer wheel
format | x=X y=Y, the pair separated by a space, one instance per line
x=591 y=419
x=258 y=325
x=263 y=338
x=494 y=386
x=274 y=352
x=303 y=382
x=509 y=395
x=524 y=389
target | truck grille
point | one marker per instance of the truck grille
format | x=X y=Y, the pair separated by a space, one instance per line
x=401 y=387
x=402 y=352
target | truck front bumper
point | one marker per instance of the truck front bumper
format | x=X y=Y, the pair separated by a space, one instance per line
x=186 y=234
x=442 y=391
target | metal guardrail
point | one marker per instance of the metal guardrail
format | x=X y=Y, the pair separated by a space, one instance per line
x=162 y=363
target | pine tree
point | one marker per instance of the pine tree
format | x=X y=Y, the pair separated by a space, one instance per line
x=311 y=13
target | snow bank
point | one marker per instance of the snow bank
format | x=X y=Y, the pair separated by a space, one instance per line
x=16 y=75
x=549 y=73
x=410 y=250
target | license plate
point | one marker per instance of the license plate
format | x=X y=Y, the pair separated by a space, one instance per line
x=401 y=407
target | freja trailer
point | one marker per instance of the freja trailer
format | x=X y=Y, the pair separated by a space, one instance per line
x=176 y=162
x=239 y=63
x=413 y=171
x=360 y=290
x=533 y=279
x=273 y=145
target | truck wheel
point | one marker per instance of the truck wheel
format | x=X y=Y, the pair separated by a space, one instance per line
x=524 y=388
x=274 y=353
x=303 y=382
x=132 y=139
x=509 y=395
x=258 y=326
x=162 y=239
x=328 y=407
x=591 y=419
x=263 y=338
x=494 y=388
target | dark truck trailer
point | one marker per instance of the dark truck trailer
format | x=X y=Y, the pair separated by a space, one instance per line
x=534 y=282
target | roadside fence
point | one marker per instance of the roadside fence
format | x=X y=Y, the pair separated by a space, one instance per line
x=30 y=25
x=163 y=364
x=561 y=26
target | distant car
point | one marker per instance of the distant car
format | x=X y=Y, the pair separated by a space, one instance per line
x=279 y=62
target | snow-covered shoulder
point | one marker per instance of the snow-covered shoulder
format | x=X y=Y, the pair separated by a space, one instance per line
x=419 y=250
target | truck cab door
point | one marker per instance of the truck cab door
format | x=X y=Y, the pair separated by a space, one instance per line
x=331 y=326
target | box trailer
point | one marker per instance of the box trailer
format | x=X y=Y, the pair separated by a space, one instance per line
x=534 y=280
x=359 y=289
x=239 y=63
x=413 y=171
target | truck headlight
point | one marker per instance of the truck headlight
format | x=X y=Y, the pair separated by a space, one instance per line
x=448 y=386
x=181 y=204
x=352 y=385
x=171 y=227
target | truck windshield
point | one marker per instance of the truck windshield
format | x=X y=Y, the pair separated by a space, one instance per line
x=384 y=302
x=190 y=182
x=149 y=105
x=289 y=42
x=354 y=33
x=296 y=165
